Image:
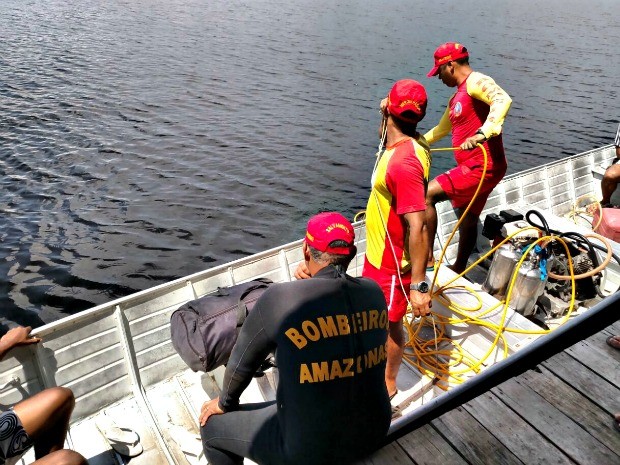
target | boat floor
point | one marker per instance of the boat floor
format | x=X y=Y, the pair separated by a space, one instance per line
x=167 y=421
x=561 y=412
x=525 y=418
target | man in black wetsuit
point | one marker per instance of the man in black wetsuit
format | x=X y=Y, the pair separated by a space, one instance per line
x=329 y=335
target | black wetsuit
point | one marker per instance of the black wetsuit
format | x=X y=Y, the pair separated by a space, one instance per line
x=329 y=335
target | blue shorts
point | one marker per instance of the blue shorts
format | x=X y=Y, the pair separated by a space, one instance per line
x=14 y=440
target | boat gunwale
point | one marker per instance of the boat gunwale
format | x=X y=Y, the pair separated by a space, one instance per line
x=125 y=302
x=555 y=162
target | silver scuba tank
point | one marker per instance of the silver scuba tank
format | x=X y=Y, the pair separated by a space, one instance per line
x=501 y=269
x=528 y=287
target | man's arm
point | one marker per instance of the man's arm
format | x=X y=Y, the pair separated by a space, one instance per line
x=250 y=351
x=442 y=129
x=14 y=337
x=485 y=89
x=418 y=252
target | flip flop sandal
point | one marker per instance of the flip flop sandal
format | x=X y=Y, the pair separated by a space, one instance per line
x=128 y=450
x=123 y=440
x=610 y=344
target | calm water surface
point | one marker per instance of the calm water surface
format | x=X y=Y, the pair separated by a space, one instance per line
x=143 y=140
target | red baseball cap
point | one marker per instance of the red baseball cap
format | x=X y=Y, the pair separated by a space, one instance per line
x=327 y=227
x=449 y=51
x=407 y=100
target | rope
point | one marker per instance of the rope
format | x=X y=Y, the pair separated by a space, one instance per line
x=577 y=212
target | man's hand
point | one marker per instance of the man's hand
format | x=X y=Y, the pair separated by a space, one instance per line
x=211 y=407
x=19 y=336
x=383 y=106
x=302 y=271
x=421 y=303
x=473 y=141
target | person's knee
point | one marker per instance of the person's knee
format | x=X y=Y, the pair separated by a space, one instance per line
x=434 y=194
x=433 y=198
x=63 y=457
x=612 y=174
x=71 y=457
x=61 y=398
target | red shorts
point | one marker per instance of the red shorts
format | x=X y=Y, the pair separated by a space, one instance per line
x=460 y=185
x=394 y=294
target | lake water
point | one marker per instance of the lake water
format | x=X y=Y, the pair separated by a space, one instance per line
x=143 y=140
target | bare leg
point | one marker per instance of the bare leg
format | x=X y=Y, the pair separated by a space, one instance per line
x=45 y=417
x=62 y=457
x=395 y=349
x=434 y=194
x=468 y=232
x=609 y=183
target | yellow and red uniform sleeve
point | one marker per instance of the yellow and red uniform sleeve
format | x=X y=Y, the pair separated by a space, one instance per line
x=484 y=88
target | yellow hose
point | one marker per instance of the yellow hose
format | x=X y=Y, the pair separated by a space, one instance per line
x=428 y=361
x=453 y=364
x=441 y=363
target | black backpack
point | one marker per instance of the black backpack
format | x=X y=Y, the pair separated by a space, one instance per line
x=204 y=331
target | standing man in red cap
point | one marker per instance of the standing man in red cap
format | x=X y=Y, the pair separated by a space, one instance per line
x=475 y=115
x=396 y=237
x=329 y=335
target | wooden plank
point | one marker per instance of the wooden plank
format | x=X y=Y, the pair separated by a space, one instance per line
x=614 y=329
x=427 y=446
x=514 y=432
x=594 y=353
x=572 y=403
x=392 y=454
x=556 y=426
x=585 y=381
x=475 y=443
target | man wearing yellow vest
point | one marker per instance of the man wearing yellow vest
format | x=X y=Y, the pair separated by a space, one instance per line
x=396 y=236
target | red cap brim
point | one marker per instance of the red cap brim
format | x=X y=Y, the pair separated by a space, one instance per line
x=433 y=72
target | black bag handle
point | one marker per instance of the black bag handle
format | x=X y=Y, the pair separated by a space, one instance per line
x=242 y=309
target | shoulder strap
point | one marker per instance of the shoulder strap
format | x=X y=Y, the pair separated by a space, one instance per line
x=242 y=310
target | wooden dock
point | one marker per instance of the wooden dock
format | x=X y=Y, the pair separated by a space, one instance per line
x=560 y=413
